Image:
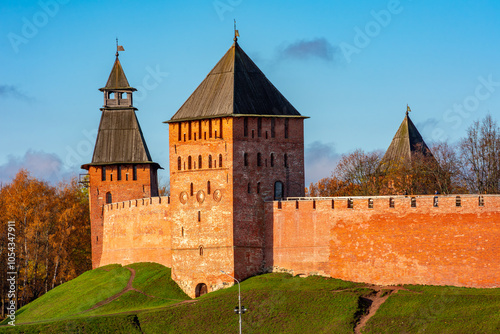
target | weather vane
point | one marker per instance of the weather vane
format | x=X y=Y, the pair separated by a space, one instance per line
x=236 y=33
x=407 y=109
x=118 y=47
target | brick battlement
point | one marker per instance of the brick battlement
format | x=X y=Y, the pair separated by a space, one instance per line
x=160 y=200
x=437 y=202
x=387 y=240
x=137 y=231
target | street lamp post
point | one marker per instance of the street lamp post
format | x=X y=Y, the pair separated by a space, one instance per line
x=238 y=310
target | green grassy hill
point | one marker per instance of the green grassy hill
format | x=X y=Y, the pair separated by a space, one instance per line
x=107 y=300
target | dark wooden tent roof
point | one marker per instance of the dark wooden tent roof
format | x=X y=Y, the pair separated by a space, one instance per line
x=120 y=139
x=235 y=87
x=406 y=141
x=117 y=79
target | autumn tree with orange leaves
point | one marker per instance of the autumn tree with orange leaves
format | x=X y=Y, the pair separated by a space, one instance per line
x=52 y=234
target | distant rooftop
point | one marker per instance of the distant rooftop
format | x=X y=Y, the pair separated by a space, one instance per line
x=406 y=141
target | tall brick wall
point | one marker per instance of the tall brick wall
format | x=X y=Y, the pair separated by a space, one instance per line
x=137 y=231
x=443 y=245
x=254 y=181
x=298 y=236
x=125 y=189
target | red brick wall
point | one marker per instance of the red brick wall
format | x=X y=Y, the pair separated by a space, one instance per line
x=298 y=236
x=201 y=222
x=249 y=201
x=137 y=231
x=444 y=245
x=123 y=190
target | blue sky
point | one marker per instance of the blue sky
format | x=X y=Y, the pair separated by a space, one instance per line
x=351 y=66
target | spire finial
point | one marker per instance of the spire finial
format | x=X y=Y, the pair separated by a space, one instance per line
x=407 y=109
x=118 y=47
x=236 y=33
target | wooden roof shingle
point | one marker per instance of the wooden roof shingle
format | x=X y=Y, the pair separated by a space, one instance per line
x=235 y=87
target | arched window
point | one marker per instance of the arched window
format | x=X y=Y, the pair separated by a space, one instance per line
x=259 y=159
x=272 y=160
x=220 y=160
x=199 y=162
x=258 y=187
x=191 y=190
x=285 y=160
x=249 y=188
x=109 y=199
x=286 y=127
x=179 y=163
x=278 y=190
x=245 y=159
x=208 y=187
x=103 y=173
x=119 y=173
x=189 y=162
x=201 y=250
x=209 y=161
x=245 y=127
x=134 y=173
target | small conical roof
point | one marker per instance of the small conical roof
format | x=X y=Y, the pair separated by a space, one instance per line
x=406 y=141
x=117 y=79
x=235 y=87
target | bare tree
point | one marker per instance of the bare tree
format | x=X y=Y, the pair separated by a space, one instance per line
x=446 y=174
x=164 y=187
x=361 y=170
x=480 y=157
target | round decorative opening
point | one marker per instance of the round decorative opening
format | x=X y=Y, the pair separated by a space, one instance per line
x=200 y=196
x=217 y=195
x=183 y=197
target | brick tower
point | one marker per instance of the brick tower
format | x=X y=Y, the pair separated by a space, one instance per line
x=121 y=167
x=235 y=143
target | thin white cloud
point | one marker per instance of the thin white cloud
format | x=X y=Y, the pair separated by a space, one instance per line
x=320 y=161
x=43 y=166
